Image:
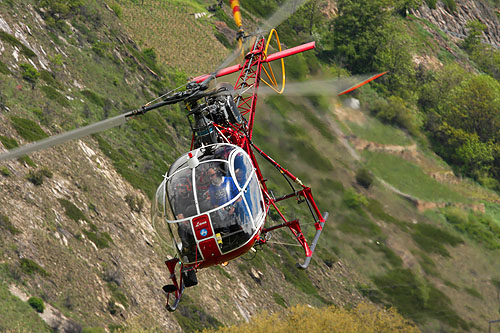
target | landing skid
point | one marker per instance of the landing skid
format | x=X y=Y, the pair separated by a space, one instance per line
x=174 y=291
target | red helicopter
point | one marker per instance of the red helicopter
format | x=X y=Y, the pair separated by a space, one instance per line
x=213 y=201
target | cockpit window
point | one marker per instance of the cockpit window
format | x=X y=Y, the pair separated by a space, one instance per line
x=180 y=188
x=242 y=169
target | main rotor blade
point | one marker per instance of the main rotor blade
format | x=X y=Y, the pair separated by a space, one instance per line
x=284 y=12
x=66 y=136
x=335 y=87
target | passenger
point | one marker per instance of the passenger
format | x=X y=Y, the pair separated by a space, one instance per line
x=222 y=189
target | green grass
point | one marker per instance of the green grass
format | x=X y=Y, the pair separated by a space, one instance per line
x=7 y=225
x=479 y=227
x=409 y=178
x=417 y=298
x=375 y=131
x=4 y=69
x=432 y=239
x=191 y=317
x=358 y=223
x=18 y=316
x=16 y=43
x=28 y=129
x=55 y=95
x=278 y=299
x=30 y=267
x=72 y=211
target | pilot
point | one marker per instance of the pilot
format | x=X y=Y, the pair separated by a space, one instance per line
x=184 y=203
x=184 y=207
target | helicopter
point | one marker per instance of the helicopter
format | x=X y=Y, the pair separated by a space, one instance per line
x=213 y=202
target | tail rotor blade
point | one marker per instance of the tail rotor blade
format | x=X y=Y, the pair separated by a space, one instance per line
x=335 y=87
x=64 y=137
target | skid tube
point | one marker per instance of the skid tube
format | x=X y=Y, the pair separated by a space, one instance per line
x=176 y=289
x=319 y=219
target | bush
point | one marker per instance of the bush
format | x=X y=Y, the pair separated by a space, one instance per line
x=37 y=177
x=354 y=200
x=363 y=317
x=27 y=129
x=30 y=74
x=37 y=304
x=72 y=211
x=4 y=171
x=55 y=95
x=364 y=177
x=6 y=224
x=30 y=267
x=16 y=43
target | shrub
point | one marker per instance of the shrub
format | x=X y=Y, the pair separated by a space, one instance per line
x=72 y=211
x=4 y=69
x=37 y=177
x=6 y=224
x=55 y=95
x=364 y=177
x=27 y=129
x=30 y=74
x=4 y=171
x=363 y=317
x=135 y=203
x=116 y=9
x=16 y=43
x=30 y=267
x=432 y=239
x=354 y=200
x=37 y=304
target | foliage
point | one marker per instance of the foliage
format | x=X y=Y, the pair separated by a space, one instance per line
x=466 y=126
x=450 y=5
x=30 y=267
x=100 y=239
x=4 y=171
x=37 y=304
x=116 y=9
x=432 y=239
x=363 y=317
x=364 y=177
x=18 y=316
x=7 y=225
x=37 y=177
x=11 y=143
x=30 y=73
x=27 y=129
x=474 y=31
x=394 y=110
x=358 y=32
x=55 y=95
x=16 y=43
x=72 y=211
x=354 y=200
x=135 y=203
x=431 y=3
x=479 y=227
x=412 y=296
x=278 y=299
x=359 y=224
x=192 y=318
x=4 y=69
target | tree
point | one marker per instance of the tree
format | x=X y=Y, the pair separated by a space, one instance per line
x=475 y=29
x=359 y=31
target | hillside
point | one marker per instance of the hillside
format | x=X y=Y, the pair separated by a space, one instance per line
x=407 y=227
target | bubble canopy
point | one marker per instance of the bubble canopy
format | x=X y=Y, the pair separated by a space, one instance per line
x=214 y=194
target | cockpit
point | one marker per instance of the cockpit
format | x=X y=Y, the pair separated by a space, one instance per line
x=210 y=198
